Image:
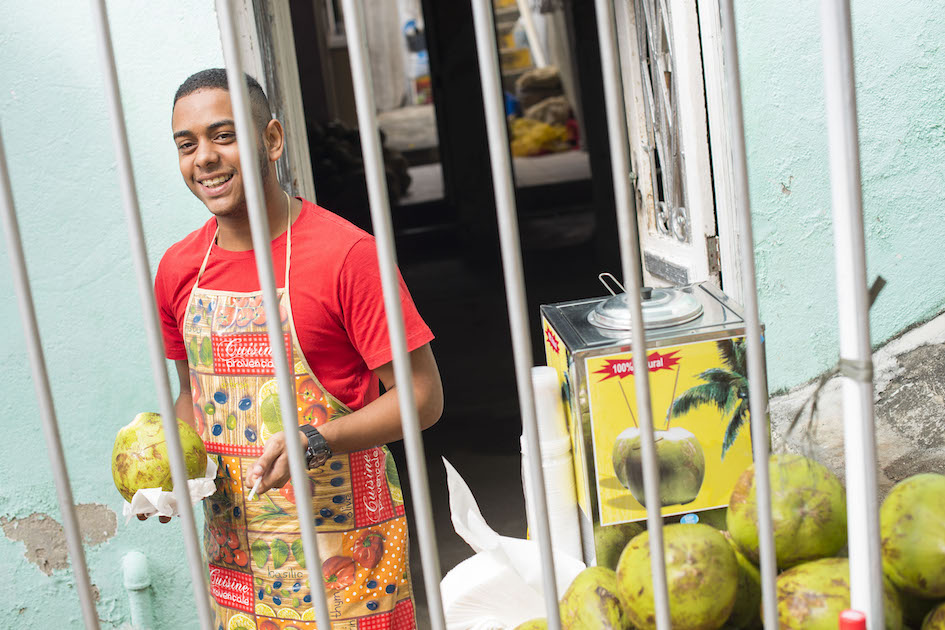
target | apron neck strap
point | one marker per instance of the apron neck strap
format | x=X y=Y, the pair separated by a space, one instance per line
x=288 y=238
x=288 y=244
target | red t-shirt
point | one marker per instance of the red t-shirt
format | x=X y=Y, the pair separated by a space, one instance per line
x=335 y=289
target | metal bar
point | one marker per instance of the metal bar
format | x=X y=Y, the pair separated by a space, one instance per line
x=47 y=411
x=866 y=576
x=513 y=274
x=149 y=312
x=757 y=379
x=386 y=256
x=629 y=254
x=248 y=136
x=531 y=34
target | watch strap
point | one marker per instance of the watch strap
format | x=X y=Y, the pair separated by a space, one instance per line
x=317 y=452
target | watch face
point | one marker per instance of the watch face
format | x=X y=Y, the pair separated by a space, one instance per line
x=316 y=458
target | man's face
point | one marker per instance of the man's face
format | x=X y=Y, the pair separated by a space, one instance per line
x=205 y=136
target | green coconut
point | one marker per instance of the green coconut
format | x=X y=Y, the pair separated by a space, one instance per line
x=746 y=614
x=812 y=595
x=140 y=460
x=935 y=620
x=610 y=540
x=538 y=623
x=912 y=528
x=914 y=609
x=701 y=578
x=591 y=602
x=808 y=509
x=680 y=460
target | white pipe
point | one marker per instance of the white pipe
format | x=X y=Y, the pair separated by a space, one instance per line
x=149 y=311
x=629 y=255
x=866 y=577
x=513 y=274
x=137 y=579
x=47 y=411
x=386 y=257
x=757 y=378
x=531 y=34
x=259 y=226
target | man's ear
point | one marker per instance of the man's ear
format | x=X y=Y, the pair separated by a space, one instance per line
x=274 y=139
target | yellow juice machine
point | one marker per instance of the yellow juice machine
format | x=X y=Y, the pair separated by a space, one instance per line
x=699 y=392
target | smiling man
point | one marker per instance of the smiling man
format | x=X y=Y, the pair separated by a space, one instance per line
x=332 y=315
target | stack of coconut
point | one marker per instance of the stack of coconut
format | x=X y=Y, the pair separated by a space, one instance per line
x=712 y=572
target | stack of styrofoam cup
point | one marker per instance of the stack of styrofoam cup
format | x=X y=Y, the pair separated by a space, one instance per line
x=557 y=465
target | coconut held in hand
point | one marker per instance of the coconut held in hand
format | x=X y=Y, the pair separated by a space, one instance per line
x=912 y=528
x=140 y=460
x=701 y=578
x=808 y=510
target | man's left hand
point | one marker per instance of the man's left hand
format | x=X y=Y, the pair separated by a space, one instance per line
x=273 y=465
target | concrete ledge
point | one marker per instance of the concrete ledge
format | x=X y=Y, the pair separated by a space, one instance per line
x=909 y=410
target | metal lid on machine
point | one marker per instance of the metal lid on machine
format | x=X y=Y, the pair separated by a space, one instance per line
x=662 y=307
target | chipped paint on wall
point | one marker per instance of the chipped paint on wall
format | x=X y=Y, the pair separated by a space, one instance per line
x=45 y=539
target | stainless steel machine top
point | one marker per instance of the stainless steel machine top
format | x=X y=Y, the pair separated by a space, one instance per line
x=661 y=308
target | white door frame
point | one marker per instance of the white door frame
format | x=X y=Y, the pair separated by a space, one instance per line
x=268 y=52
x=723 y=179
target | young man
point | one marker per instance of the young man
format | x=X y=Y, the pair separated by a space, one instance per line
x=332 y=316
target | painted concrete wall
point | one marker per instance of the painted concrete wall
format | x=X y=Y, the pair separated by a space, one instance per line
x=59 y=150
x=900 y=77
x=58 y=144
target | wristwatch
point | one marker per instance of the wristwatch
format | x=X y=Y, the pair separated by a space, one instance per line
x=317 y=452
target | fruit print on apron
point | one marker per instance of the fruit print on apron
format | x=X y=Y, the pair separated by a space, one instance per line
x=256 y=565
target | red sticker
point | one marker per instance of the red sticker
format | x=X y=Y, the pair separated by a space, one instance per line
x=552 y=340
x=624 y=367
x=232 y=588
x=245 y=353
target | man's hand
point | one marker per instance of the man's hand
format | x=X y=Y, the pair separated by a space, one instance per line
x=273 y=465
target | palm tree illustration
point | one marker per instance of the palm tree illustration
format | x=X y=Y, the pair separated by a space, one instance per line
x=726 y=388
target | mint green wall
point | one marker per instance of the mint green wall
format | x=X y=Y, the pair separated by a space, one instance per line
x=59 y=151
x=62 y=164
x=900 y=80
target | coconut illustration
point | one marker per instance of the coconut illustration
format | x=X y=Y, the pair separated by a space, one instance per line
x=679 y=457
x=591 y=602
x=808 y=509
x=140 y=459
x=701 y=578
x=935 y=620
x=912 y=529
x=610 y=540
x=812 y=595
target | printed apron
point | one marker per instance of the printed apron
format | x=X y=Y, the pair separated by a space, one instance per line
x=256 y=565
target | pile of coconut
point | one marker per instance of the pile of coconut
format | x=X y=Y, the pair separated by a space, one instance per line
x=712 y=572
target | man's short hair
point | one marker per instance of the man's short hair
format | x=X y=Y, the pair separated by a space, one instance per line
x=215 y=78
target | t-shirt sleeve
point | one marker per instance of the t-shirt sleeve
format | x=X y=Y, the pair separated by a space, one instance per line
x=362 y=307
x=174 y=348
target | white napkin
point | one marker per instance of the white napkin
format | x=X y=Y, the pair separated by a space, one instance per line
x=151 y=501
x=501 y=586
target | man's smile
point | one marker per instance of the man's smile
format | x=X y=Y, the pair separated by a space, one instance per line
x=215 y=184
